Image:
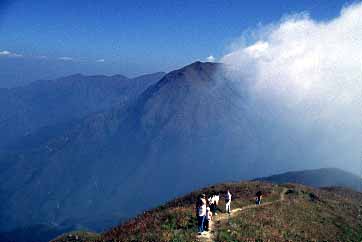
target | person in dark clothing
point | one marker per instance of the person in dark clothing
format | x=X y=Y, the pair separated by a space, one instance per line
x=212 y=207
x=258 y=197
x=207 y=219
x=216 y=203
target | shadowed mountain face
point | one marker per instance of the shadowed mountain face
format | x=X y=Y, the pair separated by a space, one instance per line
x=185 y=131
x=326 y=177
x=193 y=127
x=44 y=103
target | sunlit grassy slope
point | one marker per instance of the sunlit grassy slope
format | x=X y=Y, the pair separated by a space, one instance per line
x=305 y=214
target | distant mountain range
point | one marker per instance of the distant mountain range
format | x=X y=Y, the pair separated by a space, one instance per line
x=36 y=114
x=325 y=177
x=90 y=151
x=46 y=103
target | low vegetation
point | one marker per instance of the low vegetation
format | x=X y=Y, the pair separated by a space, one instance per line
x=305 y=214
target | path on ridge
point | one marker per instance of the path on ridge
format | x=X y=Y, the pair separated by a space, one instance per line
x=210 y=236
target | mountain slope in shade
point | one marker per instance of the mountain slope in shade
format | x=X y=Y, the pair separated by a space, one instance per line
x=44 y=103
x=325 y=177
x=108 y=161
x=192 y=128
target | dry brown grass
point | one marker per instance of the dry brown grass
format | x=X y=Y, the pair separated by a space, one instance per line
x=306 y=214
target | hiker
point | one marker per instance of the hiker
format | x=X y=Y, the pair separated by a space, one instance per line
x=201 y=212
x=258 y=197
x=212 y=203
x=207 y=219
x=210 y=199
x=228 y=202
x=216 y=203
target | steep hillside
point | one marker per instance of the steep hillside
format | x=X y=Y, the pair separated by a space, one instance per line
x=325 y=177
x=112 y=154
x=117 y=162
x=45 y=103
x=288 y=213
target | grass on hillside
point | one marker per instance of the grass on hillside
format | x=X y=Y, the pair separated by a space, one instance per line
x=78 y=236
x=176 y=220
x=306 y=214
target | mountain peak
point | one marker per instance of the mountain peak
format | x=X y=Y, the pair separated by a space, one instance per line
x=201 y=66
x=196 y=72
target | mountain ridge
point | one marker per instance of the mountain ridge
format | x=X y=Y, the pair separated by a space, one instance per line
x=48 y=102
x=128 y=141
x=324 y=177
x=193 y=119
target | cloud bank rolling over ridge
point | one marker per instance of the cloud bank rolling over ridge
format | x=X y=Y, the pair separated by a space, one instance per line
x=310 y=73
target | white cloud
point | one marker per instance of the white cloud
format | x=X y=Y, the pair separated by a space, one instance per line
x=65 y=58
x=7 y=53
x=305 y=55
x=210 y=59
x=100 y=60
x=256 y=50
x=312 y=69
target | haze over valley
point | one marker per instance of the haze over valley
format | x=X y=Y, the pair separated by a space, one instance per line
x=86 y=152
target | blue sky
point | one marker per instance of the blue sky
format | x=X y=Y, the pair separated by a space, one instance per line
x=48 y=39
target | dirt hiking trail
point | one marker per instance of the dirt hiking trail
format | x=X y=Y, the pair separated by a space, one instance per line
x=210 y=236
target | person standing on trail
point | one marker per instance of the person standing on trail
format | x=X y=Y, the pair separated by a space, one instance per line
x=207 y=219
x=210 y=199
x=228 y=202
x=258 y=197
x=215 y=202
x=212 y=203
x=201 y=212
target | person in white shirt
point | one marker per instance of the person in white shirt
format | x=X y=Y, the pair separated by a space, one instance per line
x=228 y=202
x=201 y=212
x=210 y=199
x=217 y=197
x=216 y=203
